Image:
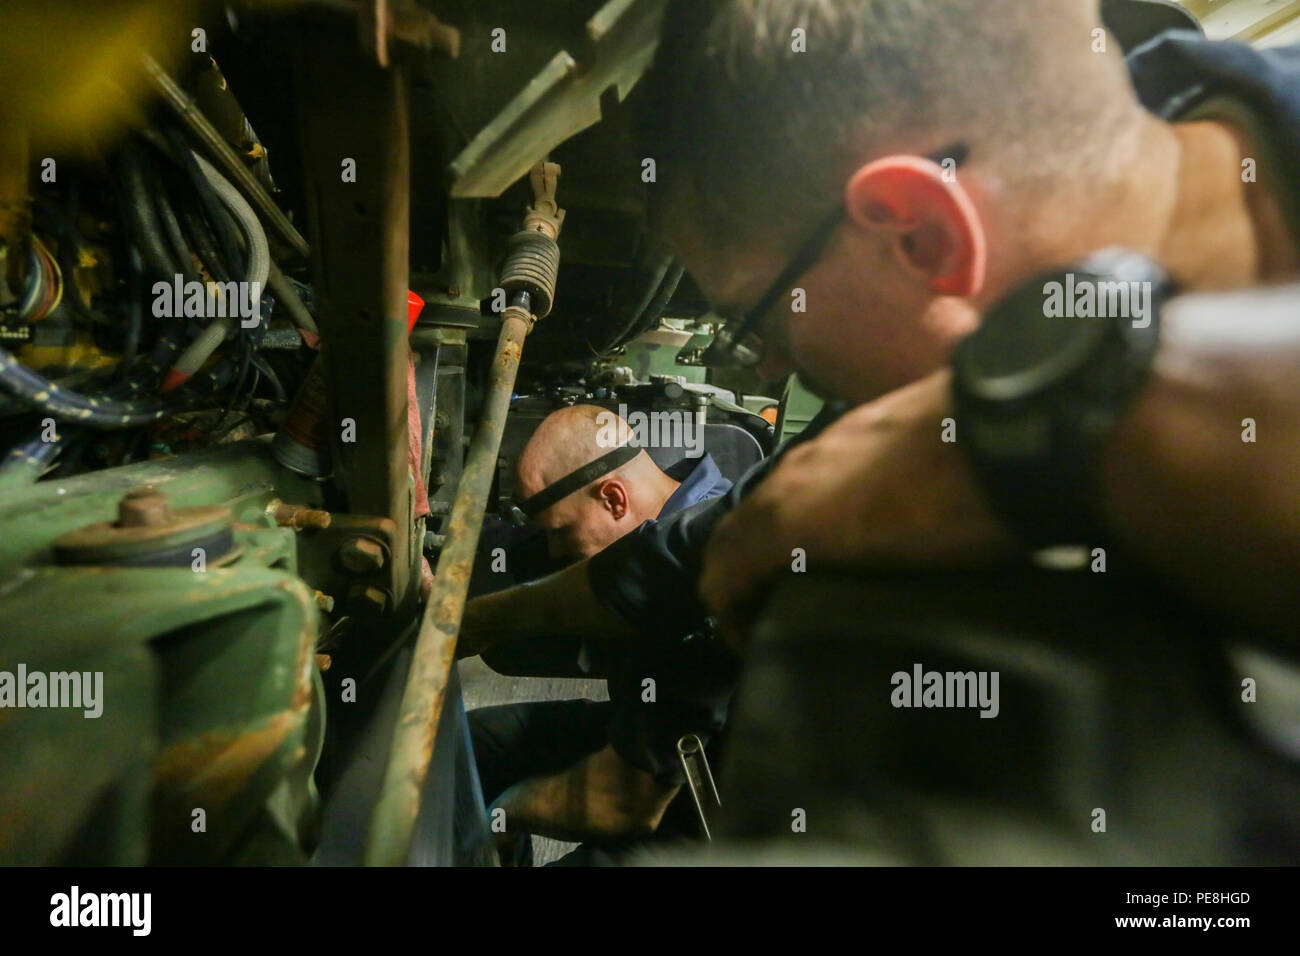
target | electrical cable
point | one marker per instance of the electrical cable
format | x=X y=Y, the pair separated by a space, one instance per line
x=212 y=206
x=658 y=274
x=259 y=266
x=263 y=366
x=141 y=220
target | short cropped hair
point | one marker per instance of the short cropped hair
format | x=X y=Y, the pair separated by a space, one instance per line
x=753 y=137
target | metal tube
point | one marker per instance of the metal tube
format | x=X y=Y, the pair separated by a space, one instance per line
x=395 y=813
x=290 y=300
x=224 y=155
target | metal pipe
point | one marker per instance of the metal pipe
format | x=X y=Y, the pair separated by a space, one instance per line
x=393 y=823
x=290 y=300
x=224 y=155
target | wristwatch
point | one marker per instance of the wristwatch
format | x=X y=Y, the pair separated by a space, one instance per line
x=1039 y=386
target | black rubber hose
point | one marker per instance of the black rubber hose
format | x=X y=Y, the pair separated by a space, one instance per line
x=145 y=376
x=214 y=210
x=63 y=404
x=656 y=279
x=145 y=228
x=263 y=366
x=192 y=263
x=135 y=313
x=655 y=310
x=200 y=239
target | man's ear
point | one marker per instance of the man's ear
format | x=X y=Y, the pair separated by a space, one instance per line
x=936 y=232
x=613 y=497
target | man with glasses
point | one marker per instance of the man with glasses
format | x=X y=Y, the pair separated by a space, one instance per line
x=909 y=168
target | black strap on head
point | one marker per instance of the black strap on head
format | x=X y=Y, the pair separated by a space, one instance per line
x=580 y=478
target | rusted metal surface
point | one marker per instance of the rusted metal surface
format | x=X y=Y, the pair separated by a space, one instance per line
x=393 y=822
x=395 y=814
x=171 y=644
x=372 y=28
x=379 y=21
x=353 y=122
x=146 y=526
x=213 y=768
x=363 y=555
x=298 y=517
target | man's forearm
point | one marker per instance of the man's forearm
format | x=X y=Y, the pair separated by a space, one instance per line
x=1202 y=479
x=557 y=605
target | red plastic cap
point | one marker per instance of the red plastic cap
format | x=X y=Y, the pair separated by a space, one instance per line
x=414 y=305
x=174 y=378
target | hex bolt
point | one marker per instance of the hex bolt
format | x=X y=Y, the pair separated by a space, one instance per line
x=369 y=597
x=143 y=507
x=362 y=555
x=298 y=517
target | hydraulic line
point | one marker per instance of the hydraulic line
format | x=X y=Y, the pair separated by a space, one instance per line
x=655 y=310
x=63 y=404
x=259 y=267
x=288 y=297
x=180 y=246
x=26 y=463
x=145 y=228
x=200 y=239
x=180 y=103
x=111 y=410
x=212 y=206
x=29 y=460
x=658 y=271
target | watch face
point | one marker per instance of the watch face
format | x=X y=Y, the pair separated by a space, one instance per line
x=1038 y=335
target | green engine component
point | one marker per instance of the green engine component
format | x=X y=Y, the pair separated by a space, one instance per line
x=798 y=407
x=201 y=714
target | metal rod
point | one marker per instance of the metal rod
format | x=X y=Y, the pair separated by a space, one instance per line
x=393 y=823
x=224 y=156
x=695 y=765
x=290 y=299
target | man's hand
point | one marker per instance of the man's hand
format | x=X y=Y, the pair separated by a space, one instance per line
x=879 y=488
x=601 y=798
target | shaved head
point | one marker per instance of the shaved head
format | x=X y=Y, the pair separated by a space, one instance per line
x=564 y=442
x=589 y=519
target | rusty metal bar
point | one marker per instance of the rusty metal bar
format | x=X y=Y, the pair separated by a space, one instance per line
x=393 y=823
x=528 y=277
x=354 y=133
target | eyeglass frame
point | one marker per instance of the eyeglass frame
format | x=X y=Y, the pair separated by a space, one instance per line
x=729 y=345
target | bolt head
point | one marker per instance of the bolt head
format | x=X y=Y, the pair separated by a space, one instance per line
x=362 y=555
x=143 y=506
x=369 y=598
